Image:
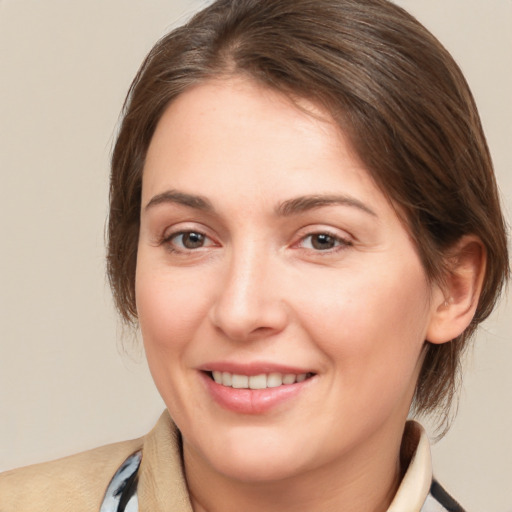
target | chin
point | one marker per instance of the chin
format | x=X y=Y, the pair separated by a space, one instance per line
x=254 y=458
x=259 y=469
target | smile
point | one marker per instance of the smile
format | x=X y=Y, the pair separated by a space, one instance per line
x=257 y=388
x=261 y=381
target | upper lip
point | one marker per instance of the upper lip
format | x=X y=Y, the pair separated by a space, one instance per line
x=253 y=368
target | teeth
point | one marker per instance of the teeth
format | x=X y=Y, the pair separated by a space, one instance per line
x=258 y=381
x=240 y=381
x=274 y=380
x=289 y=378
x=262 y=381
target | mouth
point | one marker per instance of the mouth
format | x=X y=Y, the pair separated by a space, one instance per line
x=260 y=381
x=257 y=387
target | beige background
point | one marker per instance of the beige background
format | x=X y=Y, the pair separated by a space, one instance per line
x=66 y=383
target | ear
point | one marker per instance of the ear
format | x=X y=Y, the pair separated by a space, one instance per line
x=455 y=300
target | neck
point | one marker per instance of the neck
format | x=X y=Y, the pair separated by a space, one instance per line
x=363 y=481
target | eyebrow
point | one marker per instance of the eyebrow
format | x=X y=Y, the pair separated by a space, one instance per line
x=287 y=208
x=305 y=203
x=173 y=196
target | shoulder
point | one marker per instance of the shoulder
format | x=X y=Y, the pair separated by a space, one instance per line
x=75 y=483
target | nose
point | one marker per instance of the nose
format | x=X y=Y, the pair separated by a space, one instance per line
x=249 y=304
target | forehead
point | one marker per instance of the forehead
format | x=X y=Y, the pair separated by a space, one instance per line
x=238 y=108
x=239 y=130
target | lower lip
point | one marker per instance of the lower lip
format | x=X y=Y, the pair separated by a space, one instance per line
x=252 y=401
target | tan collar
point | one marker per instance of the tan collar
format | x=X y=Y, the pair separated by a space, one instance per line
x=162 y=486
x=415 y=485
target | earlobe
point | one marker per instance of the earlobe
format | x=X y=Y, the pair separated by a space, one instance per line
x=455 y=302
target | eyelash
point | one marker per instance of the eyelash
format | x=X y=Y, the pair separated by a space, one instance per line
x=168 y=241
x=340 y=243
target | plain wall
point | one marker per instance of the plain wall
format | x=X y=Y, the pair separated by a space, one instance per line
x=66 y=382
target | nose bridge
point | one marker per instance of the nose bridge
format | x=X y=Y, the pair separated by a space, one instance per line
x=247 y=304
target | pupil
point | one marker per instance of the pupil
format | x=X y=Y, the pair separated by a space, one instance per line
x=193 y=240
x=322 y=242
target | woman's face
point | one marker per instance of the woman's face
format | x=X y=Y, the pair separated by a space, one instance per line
x=269 y=259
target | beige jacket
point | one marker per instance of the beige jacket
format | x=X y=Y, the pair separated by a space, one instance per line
x=78 y=483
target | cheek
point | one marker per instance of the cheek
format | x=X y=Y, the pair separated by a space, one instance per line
x=372 y=326
x=170 y=308
x=171 y=311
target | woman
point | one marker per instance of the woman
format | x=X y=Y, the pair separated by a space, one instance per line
x=304 y=223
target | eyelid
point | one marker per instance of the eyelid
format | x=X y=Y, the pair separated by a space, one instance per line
x=344 y=239
x=170 y=230
x=183 y=228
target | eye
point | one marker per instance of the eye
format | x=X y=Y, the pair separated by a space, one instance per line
x=323 y=242
x=187 y=241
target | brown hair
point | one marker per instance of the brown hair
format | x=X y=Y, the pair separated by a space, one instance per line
x=394 y=91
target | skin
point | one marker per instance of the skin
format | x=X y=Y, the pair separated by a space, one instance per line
x=354 y=311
